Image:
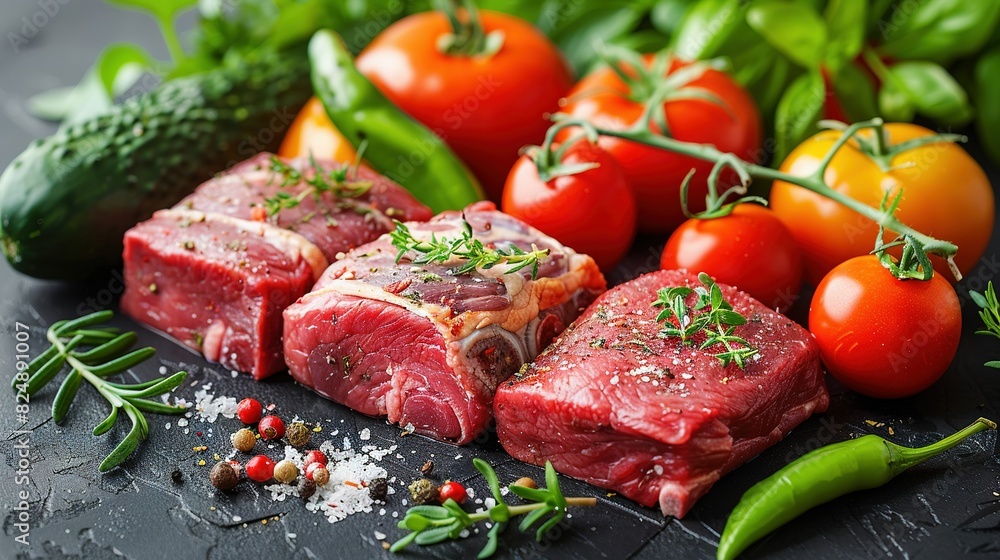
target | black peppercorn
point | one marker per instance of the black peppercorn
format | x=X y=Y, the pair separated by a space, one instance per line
x=306 y=488
x=177 y=476
x=223 y=476
x=378 y=489
x=423 y=492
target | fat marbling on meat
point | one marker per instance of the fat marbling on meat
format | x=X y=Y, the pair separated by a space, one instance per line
x=426 y=346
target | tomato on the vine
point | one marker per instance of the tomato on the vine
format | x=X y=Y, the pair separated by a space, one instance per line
x=312 y=134
x=486 y=105
x=592 y=211
x=945 y=193
x=750 y=249
x=710 y=107
x=881 y=336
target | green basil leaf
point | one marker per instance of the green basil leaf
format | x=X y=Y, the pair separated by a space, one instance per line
x=845 y=22
x=796 y=30
x=894 y=104
x=937 y=30
x=769 y=89
x=592 y=23
x=987 y=92
x=706 y=27
x=648 y=40
x=163 y=10
x=798 y=111
x=667 y=15
x=932 y=91
x=856 y=93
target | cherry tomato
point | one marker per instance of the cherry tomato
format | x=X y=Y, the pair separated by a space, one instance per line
x=945 y=194
x=452 y=490
x=883 y=337
x=750 y=249
x=486 y=107
x=592 y=212
x=312 y=133
x=604 y=99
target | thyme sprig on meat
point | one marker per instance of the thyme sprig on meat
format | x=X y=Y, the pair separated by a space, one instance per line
x=435 y=524
x=336 y=181
x=465 y=247
x=711 y=315
x=94 y=353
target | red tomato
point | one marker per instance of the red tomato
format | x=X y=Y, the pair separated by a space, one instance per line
x=592 y=212
x=604 y=99
x=750 y=249
x=485 y=107
x=945 y=194
x=883 y=337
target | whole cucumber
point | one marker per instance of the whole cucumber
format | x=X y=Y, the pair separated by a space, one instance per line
x=66 y=201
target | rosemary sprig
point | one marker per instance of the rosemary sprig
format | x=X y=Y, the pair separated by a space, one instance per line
x=94 y=353
x=990 y=314
x=717 y=320
x=336 y=181
x=434 y=524
x=465 y=247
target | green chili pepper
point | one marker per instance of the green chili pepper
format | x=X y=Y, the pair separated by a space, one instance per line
x=400 y=147
x=820 y=476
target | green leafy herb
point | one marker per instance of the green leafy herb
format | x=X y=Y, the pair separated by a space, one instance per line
x=711 y=316
x=336 y=181
x=465 y=247
x=435 y=524
x=94 y=353
x=989 y=312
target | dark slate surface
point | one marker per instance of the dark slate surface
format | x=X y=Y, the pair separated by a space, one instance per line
x=945 y=508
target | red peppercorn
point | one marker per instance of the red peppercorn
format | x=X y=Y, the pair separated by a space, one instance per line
x=249 y=410
x=260 y=468
x=452 y=490
x=315 y=456
x=311 y=468
x=271 y=427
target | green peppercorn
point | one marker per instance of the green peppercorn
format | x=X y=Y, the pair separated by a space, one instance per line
x=223 y=476
x=306 y=488
x=378 y=489
x=423 y=492
x=244 y=440
x=298 y=434
x=285 y=471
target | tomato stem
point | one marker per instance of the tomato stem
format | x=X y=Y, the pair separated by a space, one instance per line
x=814 y=182
x=468 y=38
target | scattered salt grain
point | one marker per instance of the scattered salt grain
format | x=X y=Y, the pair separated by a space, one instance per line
x=613 y=380
x=379 y=536
x=209 y=406
x=365 y=434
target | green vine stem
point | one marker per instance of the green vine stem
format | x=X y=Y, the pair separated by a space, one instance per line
x=468 y=38
x=814 y=182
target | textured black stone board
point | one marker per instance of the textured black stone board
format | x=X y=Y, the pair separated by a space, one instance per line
x=948 y=507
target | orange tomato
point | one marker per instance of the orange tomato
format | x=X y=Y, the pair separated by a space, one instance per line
x=312 y=133
x=945 y=194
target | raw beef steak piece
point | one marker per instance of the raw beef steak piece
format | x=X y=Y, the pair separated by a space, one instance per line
x=659 y=422
x=218 y=284
x=425 y=346
x=335 y=224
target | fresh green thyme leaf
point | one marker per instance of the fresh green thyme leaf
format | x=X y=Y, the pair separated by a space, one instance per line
x=716 y=321
x=334 y=181
x=466 y=248
x=989 y=312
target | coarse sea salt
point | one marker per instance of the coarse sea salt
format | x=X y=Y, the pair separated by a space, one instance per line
x=209 y=406
x=336 y=499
